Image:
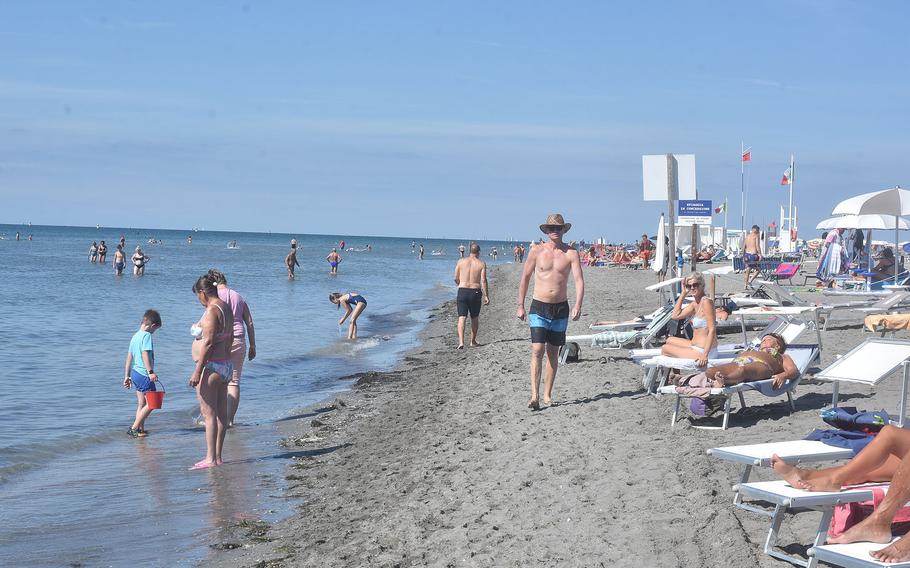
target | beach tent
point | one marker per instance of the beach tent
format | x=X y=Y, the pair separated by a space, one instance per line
x=894 y=202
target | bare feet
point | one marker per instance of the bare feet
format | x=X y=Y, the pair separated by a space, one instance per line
x=548 y=401
x=534 y=404
x=460 y=347
x=870 y=529
x=897 y=552
x=789 y=473
x=474 y=343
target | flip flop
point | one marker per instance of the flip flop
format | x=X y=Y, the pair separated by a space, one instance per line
x=202 y=464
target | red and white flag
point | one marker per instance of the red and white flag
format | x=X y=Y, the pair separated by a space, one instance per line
x=747 y=155
x=788 y=177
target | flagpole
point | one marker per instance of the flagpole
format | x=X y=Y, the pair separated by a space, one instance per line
x=742 y=187
x=790 y=212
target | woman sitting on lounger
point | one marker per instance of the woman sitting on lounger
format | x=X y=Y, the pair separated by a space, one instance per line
x=885 y=267
x=880 y=460
x=767 y=362
x=703 y=344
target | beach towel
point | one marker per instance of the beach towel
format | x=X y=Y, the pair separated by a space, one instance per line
x=892 y=322
x=848 y=514
x=695 y=384
x=853 y=441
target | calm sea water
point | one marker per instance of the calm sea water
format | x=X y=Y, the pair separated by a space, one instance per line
x=74 y=488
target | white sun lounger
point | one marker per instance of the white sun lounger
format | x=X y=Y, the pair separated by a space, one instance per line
x=789 y=328
x=884 y=305
x=869 y=363
x=802 y=355
x=793 y=452
x=780 y=494
x=854 y=555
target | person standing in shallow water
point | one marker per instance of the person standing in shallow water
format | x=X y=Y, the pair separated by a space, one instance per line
x=461 y=251
x=102 y=253
x=549 y=315
x=211 y=351
x=119 y=261
x=291 y=259
x=93 y=253
x=242 y=317
x=471 y=279
x=334 y=259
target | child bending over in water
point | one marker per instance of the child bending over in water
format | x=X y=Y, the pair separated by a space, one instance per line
x=139 y=369
x=354 y=304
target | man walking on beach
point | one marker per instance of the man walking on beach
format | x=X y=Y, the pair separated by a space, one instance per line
x=471 y=279
x=549 y=315
x=751 y=255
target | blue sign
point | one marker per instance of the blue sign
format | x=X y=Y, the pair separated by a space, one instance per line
x=695 y=211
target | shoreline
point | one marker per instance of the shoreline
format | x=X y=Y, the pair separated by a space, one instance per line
x=439 y=462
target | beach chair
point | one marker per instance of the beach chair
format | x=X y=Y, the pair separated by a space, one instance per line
x=785 y=271
x=759 y=455
x=802 y=355
x=854 y=555
x=869 y=363
x=787 y=499
x=884 y=305
x=657 y=367
x=638 y=323
x=622 y=339
x=789 y=328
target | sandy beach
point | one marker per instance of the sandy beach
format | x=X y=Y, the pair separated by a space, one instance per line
x=440 y=463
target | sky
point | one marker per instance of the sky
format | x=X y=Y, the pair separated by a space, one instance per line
x=441 y=119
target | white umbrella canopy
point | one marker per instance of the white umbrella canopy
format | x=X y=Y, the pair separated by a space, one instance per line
x=863 y=222
x=894 y=202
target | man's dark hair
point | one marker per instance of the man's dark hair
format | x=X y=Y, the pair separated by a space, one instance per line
x=755 y=228
x=152 y=317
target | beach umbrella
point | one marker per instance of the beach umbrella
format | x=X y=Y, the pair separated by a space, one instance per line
x=863 y=222
x=894 y=202
x=661 y=248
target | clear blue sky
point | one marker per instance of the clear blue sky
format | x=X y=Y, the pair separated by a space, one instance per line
x=440 y=118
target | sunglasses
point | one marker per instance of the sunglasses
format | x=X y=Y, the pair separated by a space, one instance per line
x=552 y=228
x=695 y=285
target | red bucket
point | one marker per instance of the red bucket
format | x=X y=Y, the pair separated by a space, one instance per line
x=154 y=399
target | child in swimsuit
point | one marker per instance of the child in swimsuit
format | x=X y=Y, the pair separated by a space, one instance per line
x=354 y=304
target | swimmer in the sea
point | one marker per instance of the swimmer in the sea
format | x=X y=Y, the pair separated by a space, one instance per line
x=334 y=259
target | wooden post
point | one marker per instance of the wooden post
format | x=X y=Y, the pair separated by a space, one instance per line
x=695 y=247
x=672 y=270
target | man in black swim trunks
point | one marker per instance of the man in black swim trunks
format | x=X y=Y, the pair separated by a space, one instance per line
x=752 y=254
x=471 y=279
x=549 y=316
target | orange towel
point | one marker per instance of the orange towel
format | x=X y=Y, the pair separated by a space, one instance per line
x=890 y=322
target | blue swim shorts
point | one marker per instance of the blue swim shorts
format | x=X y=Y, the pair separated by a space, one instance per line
x=142 y=383
x=548 y=322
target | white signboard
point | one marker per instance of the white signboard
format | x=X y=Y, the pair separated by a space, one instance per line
x=655 y=181
x=694 y=212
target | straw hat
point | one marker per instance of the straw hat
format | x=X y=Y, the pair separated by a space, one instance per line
x=556 y=219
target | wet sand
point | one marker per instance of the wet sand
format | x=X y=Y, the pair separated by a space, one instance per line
x=440 y=463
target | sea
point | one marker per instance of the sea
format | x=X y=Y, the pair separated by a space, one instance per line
x=75 y=489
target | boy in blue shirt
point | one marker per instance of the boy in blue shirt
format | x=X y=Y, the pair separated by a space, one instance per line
x=139 y=369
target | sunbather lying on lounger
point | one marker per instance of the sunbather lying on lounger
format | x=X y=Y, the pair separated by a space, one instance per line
x=703 y=344
x=884 y=458
x=767 y=362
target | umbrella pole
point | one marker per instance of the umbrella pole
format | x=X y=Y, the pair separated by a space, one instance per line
x=896 y=229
